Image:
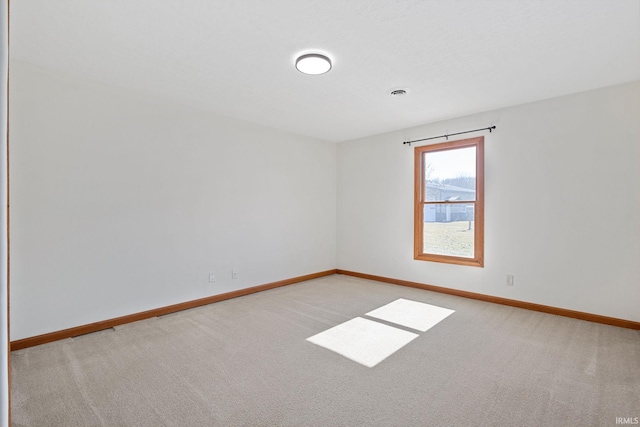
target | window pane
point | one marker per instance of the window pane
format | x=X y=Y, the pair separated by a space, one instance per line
x=450 y=175
x=449 y=230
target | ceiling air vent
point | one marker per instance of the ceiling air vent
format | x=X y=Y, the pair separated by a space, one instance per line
x=398 y=92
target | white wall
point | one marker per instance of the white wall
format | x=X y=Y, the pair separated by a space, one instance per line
x=561 y=207
x=4 y=303
x=121 y=202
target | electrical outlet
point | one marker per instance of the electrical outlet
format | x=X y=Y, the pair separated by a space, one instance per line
x=234 y=273
x=212 y=277
x=509 y=279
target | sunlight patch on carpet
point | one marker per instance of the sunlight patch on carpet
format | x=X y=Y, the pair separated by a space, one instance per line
x=363 y=341
x=412 y=314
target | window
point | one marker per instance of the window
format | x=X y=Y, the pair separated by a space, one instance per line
x=449 y=202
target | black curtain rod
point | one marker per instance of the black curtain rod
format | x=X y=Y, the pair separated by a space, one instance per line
x=448 y=135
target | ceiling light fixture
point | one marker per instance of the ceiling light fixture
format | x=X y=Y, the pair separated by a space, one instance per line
x=313 y=63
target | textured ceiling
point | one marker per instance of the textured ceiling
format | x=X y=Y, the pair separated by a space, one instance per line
x=236 y=57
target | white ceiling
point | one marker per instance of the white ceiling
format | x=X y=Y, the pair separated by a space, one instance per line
x=236 y=57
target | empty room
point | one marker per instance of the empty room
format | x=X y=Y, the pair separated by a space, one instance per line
x=320 y=213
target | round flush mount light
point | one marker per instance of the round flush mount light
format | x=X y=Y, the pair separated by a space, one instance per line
x=313 y=63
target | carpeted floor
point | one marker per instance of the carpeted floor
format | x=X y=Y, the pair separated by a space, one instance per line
x=247 y=362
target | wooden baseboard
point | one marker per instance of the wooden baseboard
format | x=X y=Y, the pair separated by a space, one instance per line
x=110 y=323
x=504 y=301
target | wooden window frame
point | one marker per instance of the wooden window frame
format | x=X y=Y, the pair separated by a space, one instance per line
x=420 y=202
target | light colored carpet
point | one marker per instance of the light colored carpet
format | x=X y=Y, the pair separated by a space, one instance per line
x=246 y=362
